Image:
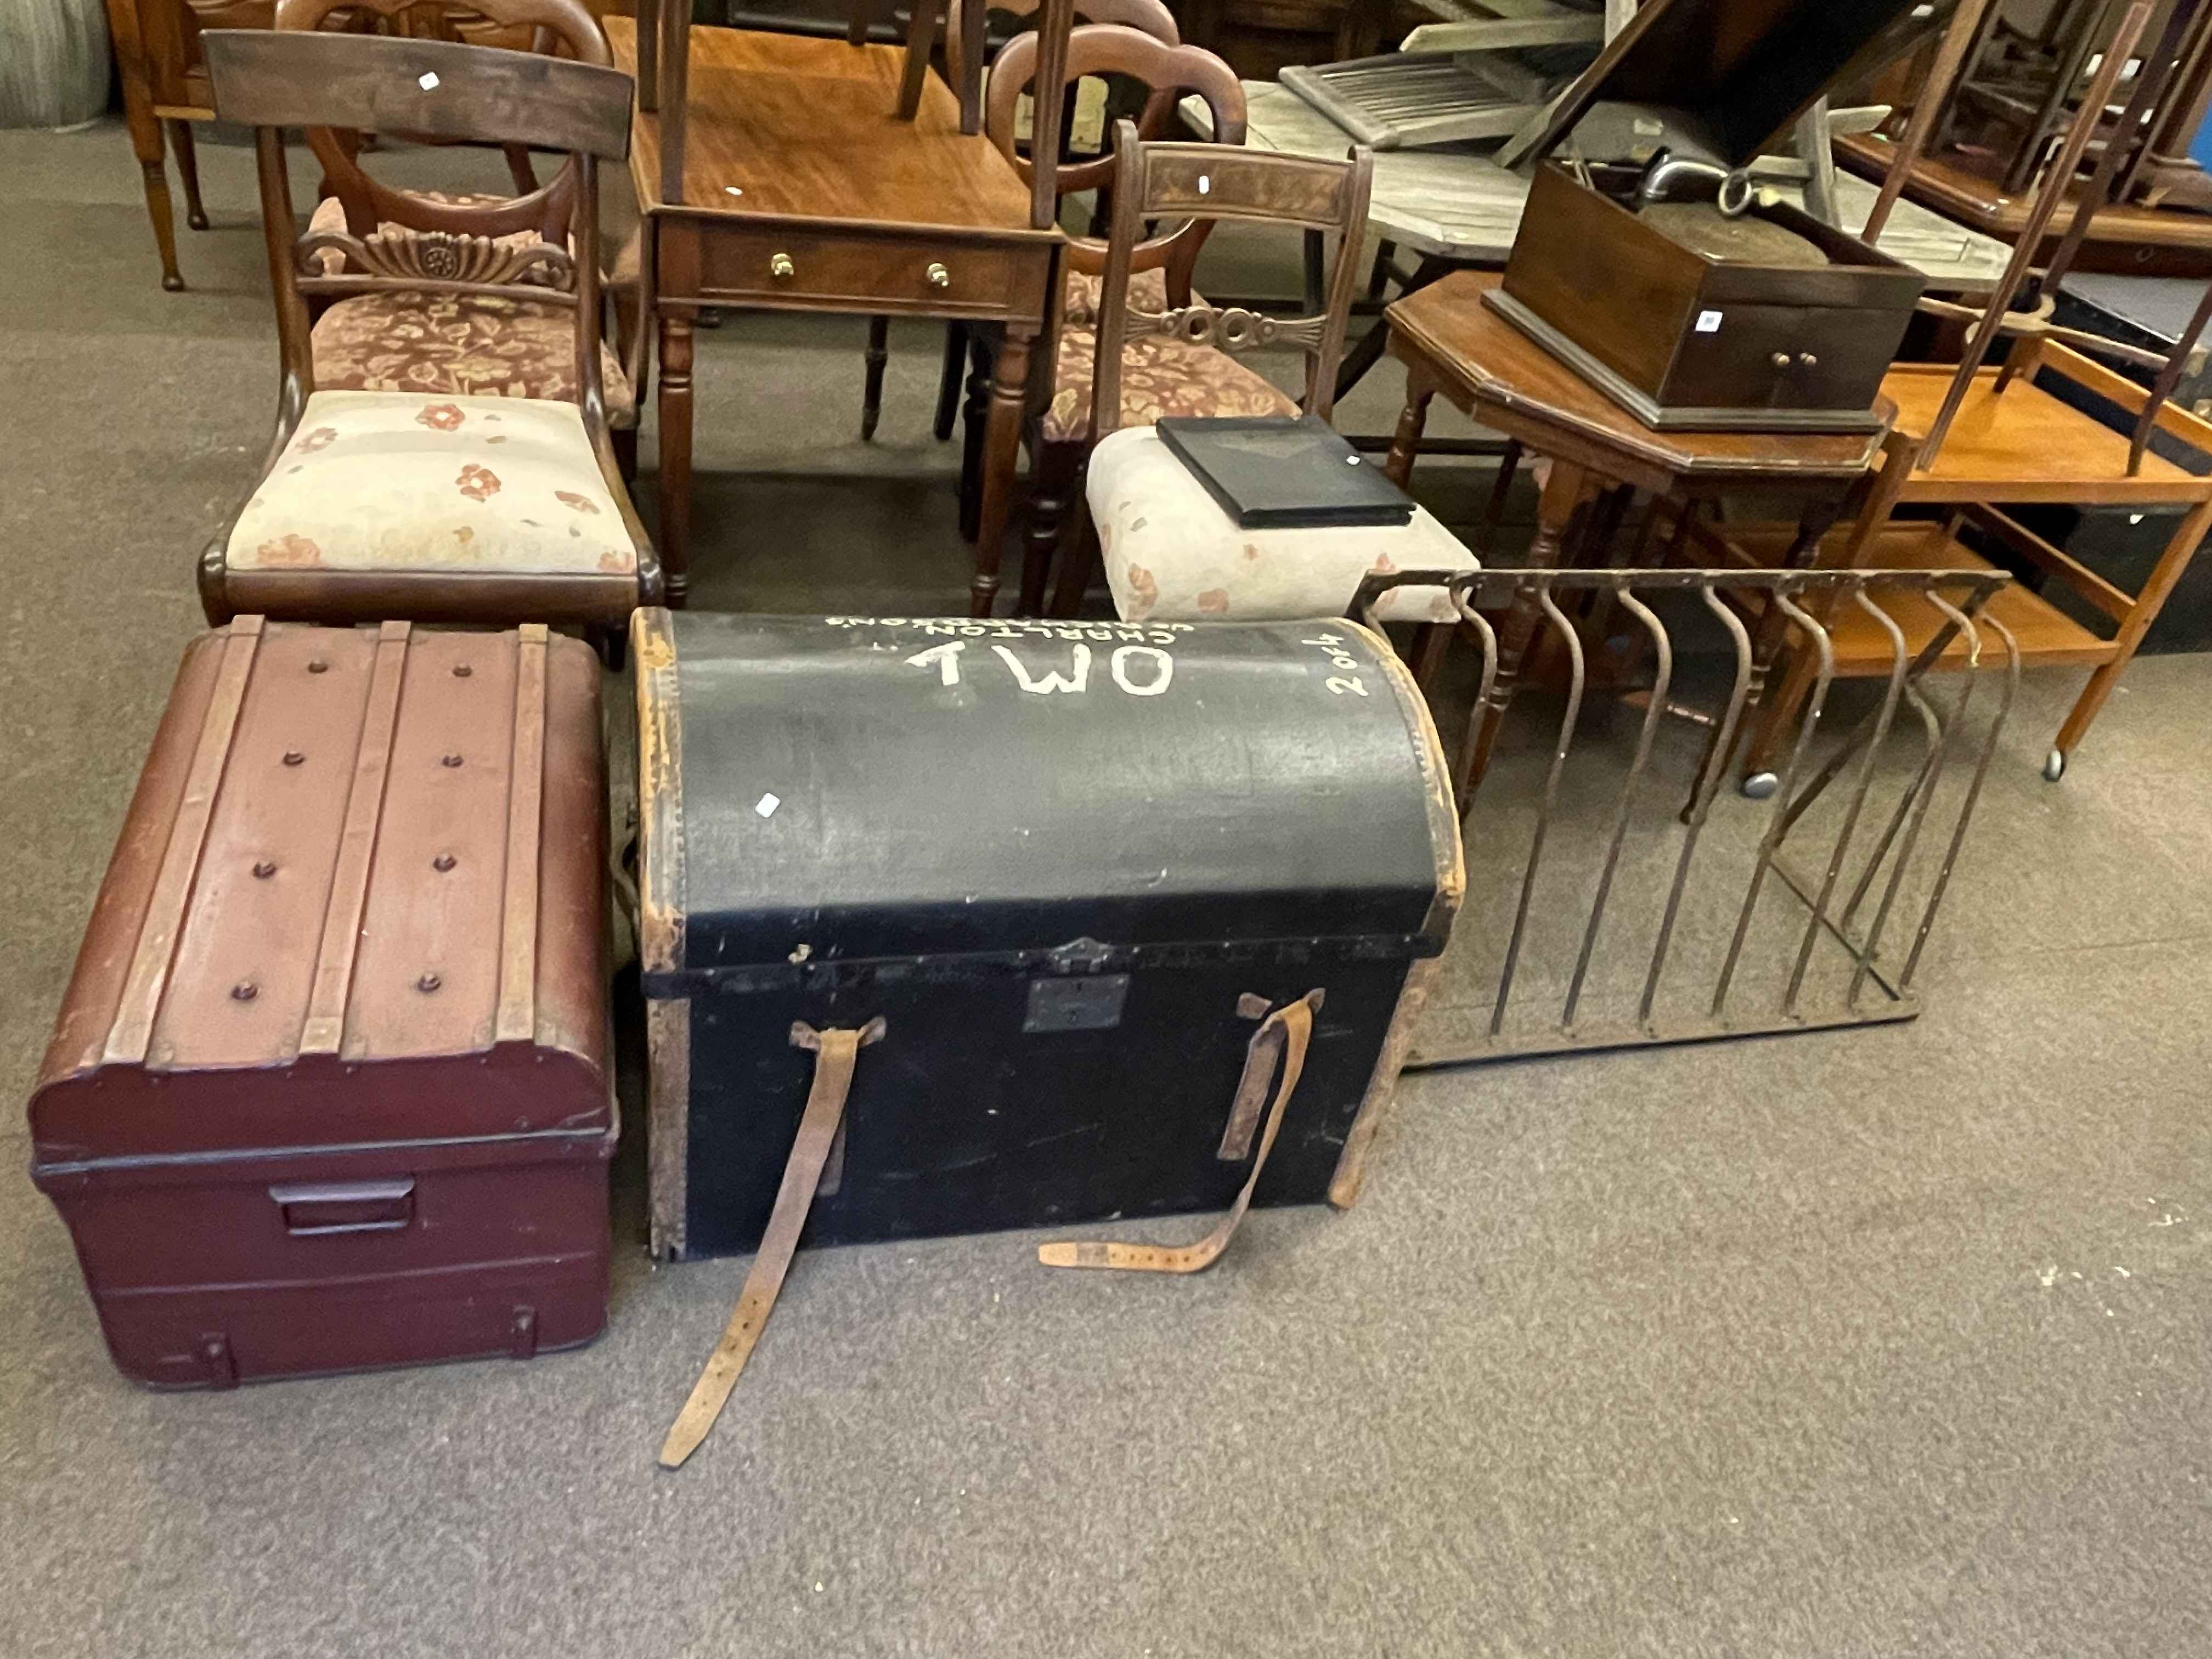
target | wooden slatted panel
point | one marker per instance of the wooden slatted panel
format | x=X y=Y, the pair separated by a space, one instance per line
x=129 y=1037
x=325 y=1029
x=516 y=1020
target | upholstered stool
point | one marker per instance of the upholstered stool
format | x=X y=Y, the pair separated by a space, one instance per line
x=1171 y=551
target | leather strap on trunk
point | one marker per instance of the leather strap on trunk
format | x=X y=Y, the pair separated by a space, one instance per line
x=1285 y=1033
x=835 y=1052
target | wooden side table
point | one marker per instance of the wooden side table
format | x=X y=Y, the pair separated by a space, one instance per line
x=165 y=90
x=802 y=190
x=1452 y=344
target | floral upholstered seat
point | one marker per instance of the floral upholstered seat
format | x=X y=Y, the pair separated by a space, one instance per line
x=459 y=345
x=1148 y=292
x=455 y=344
x=1160 y=376
x=1171 y=552
x=389 y=483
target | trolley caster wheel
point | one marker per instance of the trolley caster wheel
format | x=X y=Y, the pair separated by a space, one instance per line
x=2054 y=766
x=1761 y=785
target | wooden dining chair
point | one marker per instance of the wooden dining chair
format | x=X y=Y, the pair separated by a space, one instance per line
x=1058 y=430
x=1169 y=550
x=457 y=489
x=1149 y=18
x=483 y=346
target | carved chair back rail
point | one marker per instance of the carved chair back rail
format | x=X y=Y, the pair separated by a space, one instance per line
x=1170 y=71
x=1200 y=183
x=387 y=83
x=367 y=203
x=1150 y=17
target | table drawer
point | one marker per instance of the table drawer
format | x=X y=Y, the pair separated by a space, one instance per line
x=873 y=272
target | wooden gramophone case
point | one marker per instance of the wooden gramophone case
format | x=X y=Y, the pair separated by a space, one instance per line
x=1681 y=339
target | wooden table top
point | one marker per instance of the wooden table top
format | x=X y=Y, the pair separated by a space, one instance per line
x=1456 y=203
x=808 y=128
x=1506 y=373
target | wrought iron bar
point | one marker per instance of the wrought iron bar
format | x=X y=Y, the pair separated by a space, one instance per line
x=1891 y=694
x=1856 y=869
x=1662 y=650
x=1966 y=811
x=1573 y=643
x=1701 y=798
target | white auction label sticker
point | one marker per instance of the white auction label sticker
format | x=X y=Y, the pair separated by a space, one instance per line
x=766 y=805
x=428 y=81
x=1709 y=322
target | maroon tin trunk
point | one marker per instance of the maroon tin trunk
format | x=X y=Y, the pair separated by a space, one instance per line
x=331 y=1087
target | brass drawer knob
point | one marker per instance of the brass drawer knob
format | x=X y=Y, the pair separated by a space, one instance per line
x=781 y=268
x=1780 y=360
x=938 y=275
x=1806 y=360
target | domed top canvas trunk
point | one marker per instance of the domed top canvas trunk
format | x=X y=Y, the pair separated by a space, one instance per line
x=332 y=1085
x=1068 y=866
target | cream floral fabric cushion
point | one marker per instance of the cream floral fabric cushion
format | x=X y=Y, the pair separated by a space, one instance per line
x=1172 y=553
x=391 y=482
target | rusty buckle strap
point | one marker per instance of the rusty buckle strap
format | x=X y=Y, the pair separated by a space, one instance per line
x=835 y=1053
x=1284 y=1034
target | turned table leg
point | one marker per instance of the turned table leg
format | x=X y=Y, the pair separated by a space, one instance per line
x=974 y=415
x=1002 y=449
x=1412 y=421
x=188 y=171
x=146 y=140
x=878 y=355
x=675 y=339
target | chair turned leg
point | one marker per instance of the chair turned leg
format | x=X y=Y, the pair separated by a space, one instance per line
x=1051 y=485
x=188 y=171
x=879 y=354
x=948 y=380
x=1081 y=562
x=1378 y=278
x=215 y=602
x=974 y=419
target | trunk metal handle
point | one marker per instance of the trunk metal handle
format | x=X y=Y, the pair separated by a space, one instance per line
x=313 y=1208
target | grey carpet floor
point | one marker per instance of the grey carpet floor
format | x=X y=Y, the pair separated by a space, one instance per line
x=1888 y=1341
